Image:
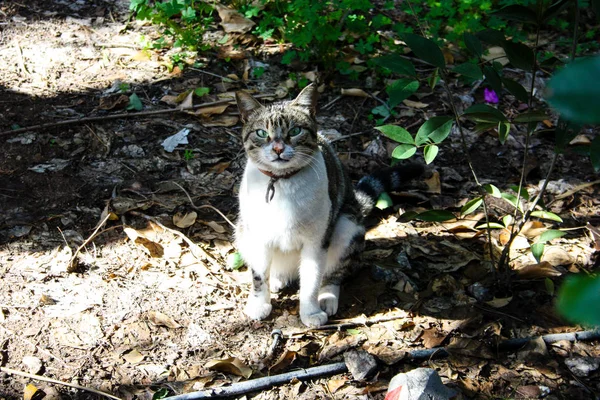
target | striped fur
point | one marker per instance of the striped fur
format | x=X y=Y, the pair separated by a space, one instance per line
x=312 y=228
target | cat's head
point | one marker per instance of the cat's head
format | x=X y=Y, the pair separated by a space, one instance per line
x=281 y=137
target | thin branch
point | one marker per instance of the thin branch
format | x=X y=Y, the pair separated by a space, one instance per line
x=121 y=115
x=204 y=205
x=50 y=380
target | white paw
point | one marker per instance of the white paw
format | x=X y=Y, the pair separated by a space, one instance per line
x=313 y=320
x=328 y=303
x=276 y=284
x=257 y=309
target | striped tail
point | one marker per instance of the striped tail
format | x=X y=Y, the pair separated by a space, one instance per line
x=370 y=187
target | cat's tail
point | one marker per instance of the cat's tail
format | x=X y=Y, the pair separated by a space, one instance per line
x=370 y=187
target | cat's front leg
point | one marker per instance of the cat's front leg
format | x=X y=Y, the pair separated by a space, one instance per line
x=258 y=259
x=312 y=262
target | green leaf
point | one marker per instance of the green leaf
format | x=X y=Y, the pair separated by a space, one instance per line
x=517 y=13
x=546 y=215
x=512 y=200
x=353 y=331
x=396 y=64
x=135 y=103
x=435 y=128
x=434 y=78
x=530 y=116
x=553 y=10
x=235 y=261
x=549 y=283
x=384 y=201
x=579 y=299
x=503 y=131
x=471 y=206
x=519 y=55
x=484 y=113
x=573 y=91
x=469 y=70
x=493 y=190
x=524 y=193
x=485 y=126
x=435 y=216
x=491 y=225
x=516 y=89
x=595 y=153
x=408 y=216
x=201 y=91
x=537 y=249
x=473 y=44
x=425 y=49
x=396 y=133
x=161 y=393
x=550 y=234
x=404 y=151
x=400 y=90
x=492 y=77
x=493 y=37
x=507 y=220
x=430 y=152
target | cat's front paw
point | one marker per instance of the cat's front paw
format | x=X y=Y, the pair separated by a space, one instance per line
x=313 y=320
x=328 y=303
x=257 y=309
x=276 y=284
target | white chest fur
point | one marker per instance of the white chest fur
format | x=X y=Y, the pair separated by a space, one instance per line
x=299 y=210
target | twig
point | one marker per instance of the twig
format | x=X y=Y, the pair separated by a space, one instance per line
x=204 y=206
x=352 y=324
x=119 y=116
x=71 y=265
x=349 y=136
x=43 y=378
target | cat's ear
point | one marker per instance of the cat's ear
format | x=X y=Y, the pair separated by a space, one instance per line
x=246 y=104
x=307 y=99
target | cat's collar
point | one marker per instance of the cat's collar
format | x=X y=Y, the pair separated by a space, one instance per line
x=274 y=178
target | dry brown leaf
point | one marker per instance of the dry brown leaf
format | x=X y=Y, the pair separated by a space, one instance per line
x=469 y=347
x=533 y=229
x=133 y=356
x=580 y=140
x=336 y=384
x=142 y=55
x=31 y=392
x=161 y=319
x=230 y=365
x=386 y=353
x=155 y=250
x=220 y=167
x=338 y=343
x=216 y=227
x=113 y=102
x=284 y=361
x=232 y=21
x=536 y=271
x=232 y=53
x=499 y=302
x=432 y=337
x=188 y=102
x=170 y=100
x=496 y=53
x=414 y=104
x=434 y=184
x=354 y=92
x=211 y=110
x=448 y=56
x=186 y=220
x=221 y=120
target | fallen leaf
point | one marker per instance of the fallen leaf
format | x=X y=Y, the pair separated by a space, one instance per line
x=580 y=140
x=432 y=337
x=220 y=167
x=221 y=120
x=188 y=102
x=385 y=353
x=434 y=184
x=142 y=55
x=469 y=347
x=210 y=110
x=284 y=361
x=354 y=93
x=496 y=53
x=499 y=302
x=160 y=319
x=338 y=343
x=232 y=21
x=230 y=365
x=414 y=104
x=133 y=356
x=31 y=392
x=186 y=220
x=335 y=384
x=533 y=229
x=113 y=102
x=536 y=271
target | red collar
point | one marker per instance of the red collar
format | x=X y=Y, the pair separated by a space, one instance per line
x=272 y=175
x=274 y=178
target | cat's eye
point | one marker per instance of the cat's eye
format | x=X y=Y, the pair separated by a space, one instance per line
x=261 y=133
x=295 y=131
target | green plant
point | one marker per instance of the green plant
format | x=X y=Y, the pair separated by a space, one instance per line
x=183 y=20
x=188 y=155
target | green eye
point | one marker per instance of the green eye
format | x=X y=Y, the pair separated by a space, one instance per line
x=295 y=131
x=261 y=133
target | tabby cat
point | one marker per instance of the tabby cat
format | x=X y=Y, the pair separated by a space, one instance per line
x=300 y=217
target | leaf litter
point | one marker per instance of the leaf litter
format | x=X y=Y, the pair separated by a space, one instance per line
x=146 y=306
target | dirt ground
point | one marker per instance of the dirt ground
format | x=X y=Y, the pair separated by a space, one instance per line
x=114 y=257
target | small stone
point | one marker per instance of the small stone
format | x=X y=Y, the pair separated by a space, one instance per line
x=361 y=364
x=480 y=292
x=33 y=364
x=420 y=383
x=582 y=366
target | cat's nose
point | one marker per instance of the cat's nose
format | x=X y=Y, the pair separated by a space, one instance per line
x=278 y=147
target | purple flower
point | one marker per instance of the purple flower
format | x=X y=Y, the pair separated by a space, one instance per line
x=490 y=96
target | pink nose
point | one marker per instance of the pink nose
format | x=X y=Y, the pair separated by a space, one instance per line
x=278 y=147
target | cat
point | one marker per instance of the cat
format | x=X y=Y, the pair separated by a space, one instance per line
x=300 y=216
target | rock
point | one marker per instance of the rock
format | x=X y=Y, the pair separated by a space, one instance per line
x=361 y=364
x=419 y=384
x=480 y=292
x=582 y=366
x=33 y=364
